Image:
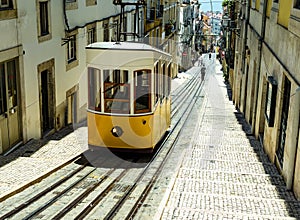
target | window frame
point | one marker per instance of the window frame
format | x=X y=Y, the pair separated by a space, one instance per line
x=71 y=49
x=270 y=104
x=71 y=61
x=113 y=80
x=297 y=4
x=8 y=11
x=94 y=89
x=44 y=20
x=71 y=4
x=136 y=86
x=90 y=2
x=91 y=34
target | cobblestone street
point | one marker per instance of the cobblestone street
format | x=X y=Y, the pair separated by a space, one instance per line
x=224 y=173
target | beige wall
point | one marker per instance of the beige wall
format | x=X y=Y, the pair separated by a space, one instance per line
x=25 y=32
x=279 y=58
x=296 y=187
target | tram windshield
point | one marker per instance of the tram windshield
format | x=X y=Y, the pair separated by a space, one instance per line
x=116 y=91
x=114 y=94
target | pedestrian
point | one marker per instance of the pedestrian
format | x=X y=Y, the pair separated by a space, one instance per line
x=200 y=61
x=203 y=69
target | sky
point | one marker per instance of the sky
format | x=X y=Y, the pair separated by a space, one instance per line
x=206 y=6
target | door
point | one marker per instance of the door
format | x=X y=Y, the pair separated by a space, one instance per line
x=71 y=109
x=47 y=108
x=9 y=110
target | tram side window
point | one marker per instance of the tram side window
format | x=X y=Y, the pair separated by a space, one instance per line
x=94 y=89
x=164 y=80
x=156 y=75
x=142 y=91
x=116 y=91
x=169 y=80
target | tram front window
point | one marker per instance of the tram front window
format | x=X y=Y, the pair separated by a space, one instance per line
x=116 y=91
x=142 y=91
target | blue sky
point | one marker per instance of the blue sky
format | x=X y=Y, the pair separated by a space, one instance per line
x=205 y=5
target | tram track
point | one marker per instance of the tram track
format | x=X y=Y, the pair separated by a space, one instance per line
x=89 y=192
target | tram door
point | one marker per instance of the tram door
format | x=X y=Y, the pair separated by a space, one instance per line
x=9 y=112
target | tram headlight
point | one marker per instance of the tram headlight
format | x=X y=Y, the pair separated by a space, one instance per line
x=117 y=131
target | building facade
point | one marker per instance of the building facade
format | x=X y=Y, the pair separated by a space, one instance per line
x=266 y=80
x=42 y=59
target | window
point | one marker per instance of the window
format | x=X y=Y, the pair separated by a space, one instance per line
x=43 y=17
x=44 y=22
x=116 y=91
x=297 y=4
x=91 y=35
x=91 y=2
x=271 y=101
x=106 y=32
x=94 y=80
x=8 y=90
x=71 y=4
x=7 y=9
x=157 y=90
x=115 y=32
x=142 y=86
x=71 y=49
x=6 y=4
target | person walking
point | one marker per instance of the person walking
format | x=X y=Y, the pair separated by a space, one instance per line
x=203 y=70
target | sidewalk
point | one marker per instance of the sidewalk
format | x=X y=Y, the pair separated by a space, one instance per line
x=35 y=159
x=225 y=174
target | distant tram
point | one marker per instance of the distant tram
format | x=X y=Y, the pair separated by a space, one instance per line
x=128 y=95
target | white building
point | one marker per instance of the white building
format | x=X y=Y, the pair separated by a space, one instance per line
x=42 y=62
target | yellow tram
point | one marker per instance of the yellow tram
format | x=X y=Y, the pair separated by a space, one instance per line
x=129 y=101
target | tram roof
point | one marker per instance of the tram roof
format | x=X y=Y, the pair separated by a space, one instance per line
x=125 y=46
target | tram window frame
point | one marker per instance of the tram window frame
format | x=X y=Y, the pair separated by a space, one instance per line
x=169 y=80
x=164 y=85
x=94 y=94
x=116 y=90
x=156 y=75
x=139 y=82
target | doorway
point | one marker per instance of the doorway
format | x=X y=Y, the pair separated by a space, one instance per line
x=9 y=105
x=47 y=101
